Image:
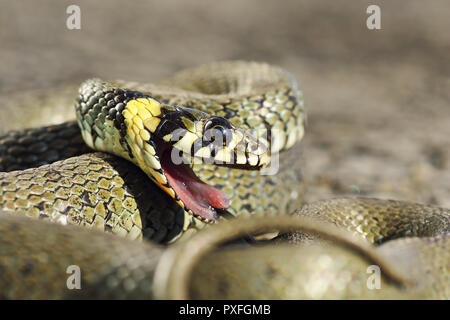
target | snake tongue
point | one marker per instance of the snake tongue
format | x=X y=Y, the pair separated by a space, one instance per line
x=197 y=196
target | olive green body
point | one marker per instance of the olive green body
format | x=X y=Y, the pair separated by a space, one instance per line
x=69 y=183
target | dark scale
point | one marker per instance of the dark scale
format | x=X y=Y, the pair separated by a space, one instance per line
x=292 y=97
x=171 y=121
x=108 y=100
x=185 y=114
x=166 y=127
x=229 y=112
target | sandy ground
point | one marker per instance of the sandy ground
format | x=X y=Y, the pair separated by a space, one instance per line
x=378 y=101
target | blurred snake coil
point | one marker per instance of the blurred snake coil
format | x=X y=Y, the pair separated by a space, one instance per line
x=155 y=166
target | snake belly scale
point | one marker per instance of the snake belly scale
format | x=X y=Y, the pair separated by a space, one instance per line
x=160 y=162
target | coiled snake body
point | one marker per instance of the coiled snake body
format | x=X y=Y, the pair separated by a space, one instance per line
x=199 y=142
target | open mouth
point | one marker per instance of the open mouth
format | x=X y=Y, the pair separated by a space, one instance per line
x=203 y=200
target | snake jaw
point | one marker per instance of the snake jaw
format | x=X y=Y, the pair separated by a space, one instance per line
x=218 y=143
x=199 y=199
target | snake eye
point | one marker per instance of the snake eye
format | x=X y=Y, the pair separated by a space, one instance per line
x=217 y=123
x=217 y=127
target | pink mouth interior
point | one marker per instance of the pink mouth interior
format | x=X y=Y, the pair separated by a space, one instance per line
x=201 y=198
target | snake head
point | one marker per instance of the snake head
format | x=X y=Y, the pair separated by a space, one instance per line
x=185 y=137
x=197 y=137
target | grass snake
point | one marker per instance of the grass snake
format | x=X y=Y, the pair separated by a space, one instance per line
x=162 y=161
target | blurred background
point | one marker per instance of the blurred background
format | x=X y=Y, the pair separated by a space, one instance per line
x=378 y=101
